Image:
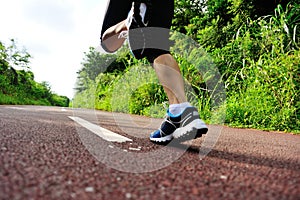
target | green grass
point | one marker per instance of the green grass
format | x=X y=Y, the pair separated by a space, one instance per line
x=259 y=66
x=17 y=100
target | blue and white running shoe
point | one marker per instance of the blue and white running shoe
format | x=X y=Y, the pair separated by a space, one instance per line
x=183 y=127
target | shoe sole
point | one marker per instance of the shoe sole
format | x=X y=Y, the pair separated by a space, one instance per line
x=193 y=130
x=165 y=139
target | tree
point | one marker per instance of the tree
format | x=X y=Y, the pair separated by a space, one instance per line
x=18 y=58
x=267 y=7
x=95 y=63
x=3 y=56
x=17 y=81
x=213 y=23
x=185 y=10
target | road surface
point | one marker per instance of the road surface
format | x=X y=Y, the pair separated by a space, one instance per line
x=56 y=153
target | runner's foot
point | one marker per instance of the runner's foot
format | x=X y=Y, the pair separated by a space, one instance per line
x=185 y=126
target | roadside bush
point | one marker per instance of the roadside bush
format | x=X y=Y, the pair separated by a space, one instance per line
x=263 y=88
x=17 y=85
x=253 y=63
x=104 y=90
x=136 y=86
x=145 y=98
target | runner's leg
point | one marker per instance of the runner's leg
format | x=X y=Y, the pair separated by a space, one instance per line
x=168 y=73
x=182 y=120
x=165 y=65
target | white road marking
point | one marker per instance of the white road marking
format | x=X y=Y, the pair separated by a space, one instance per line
x=16 y=108
x=101 y=132
x=134 y=149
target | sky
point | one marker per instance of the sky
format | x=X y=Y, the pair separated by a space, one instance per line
x=56 y=33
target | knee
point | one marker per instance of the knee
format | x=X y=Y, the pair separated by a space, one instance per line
x=164 y=59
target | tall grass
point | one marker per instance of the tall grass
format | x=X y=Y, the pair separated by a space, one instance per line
x=259 y=69
x=263 y=78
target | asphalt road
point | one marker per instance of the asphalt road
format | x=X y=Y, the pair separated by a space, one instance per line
x=46 y=154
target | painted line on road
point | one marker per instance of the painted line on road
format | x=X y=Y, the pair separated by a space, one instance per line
x=101 y=132
x=15 y=108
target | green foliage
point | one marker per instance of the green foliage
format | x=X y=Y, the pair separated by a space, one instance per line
x=270 y=96
x=85 y=98
x=17 y=86
x=57 y=100
x=145 y=98
x=136 y=90
x=254 y=46
x=104 y=90
x=262 y=71
x=184 y=13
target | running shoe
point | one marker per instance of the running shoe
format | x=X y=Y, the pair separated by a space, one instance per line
x=183 y=127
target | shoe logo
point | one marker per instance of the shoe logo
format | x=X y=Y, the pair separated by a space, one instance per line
x=195 y=113
x=186 y=119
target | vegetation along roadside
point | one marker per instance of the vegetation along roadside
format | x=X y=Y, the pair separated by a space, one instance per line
x=254 y=45
x=17 y=84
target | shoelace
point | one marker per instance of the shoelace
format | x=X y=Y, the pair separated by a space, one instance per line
x=168 y=121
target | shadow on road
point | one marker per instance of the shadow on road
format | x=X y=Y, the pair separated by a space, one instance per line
x=245 y=158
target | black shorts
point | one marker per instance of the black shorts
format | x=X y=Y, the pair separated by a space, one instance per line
x=157 y=32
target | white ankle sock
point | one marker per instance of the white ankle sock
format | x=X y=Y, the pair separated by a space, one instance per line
x=176 y=109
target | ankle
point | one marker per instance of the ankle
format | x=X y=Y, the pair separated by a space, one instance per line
x=177 y=109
